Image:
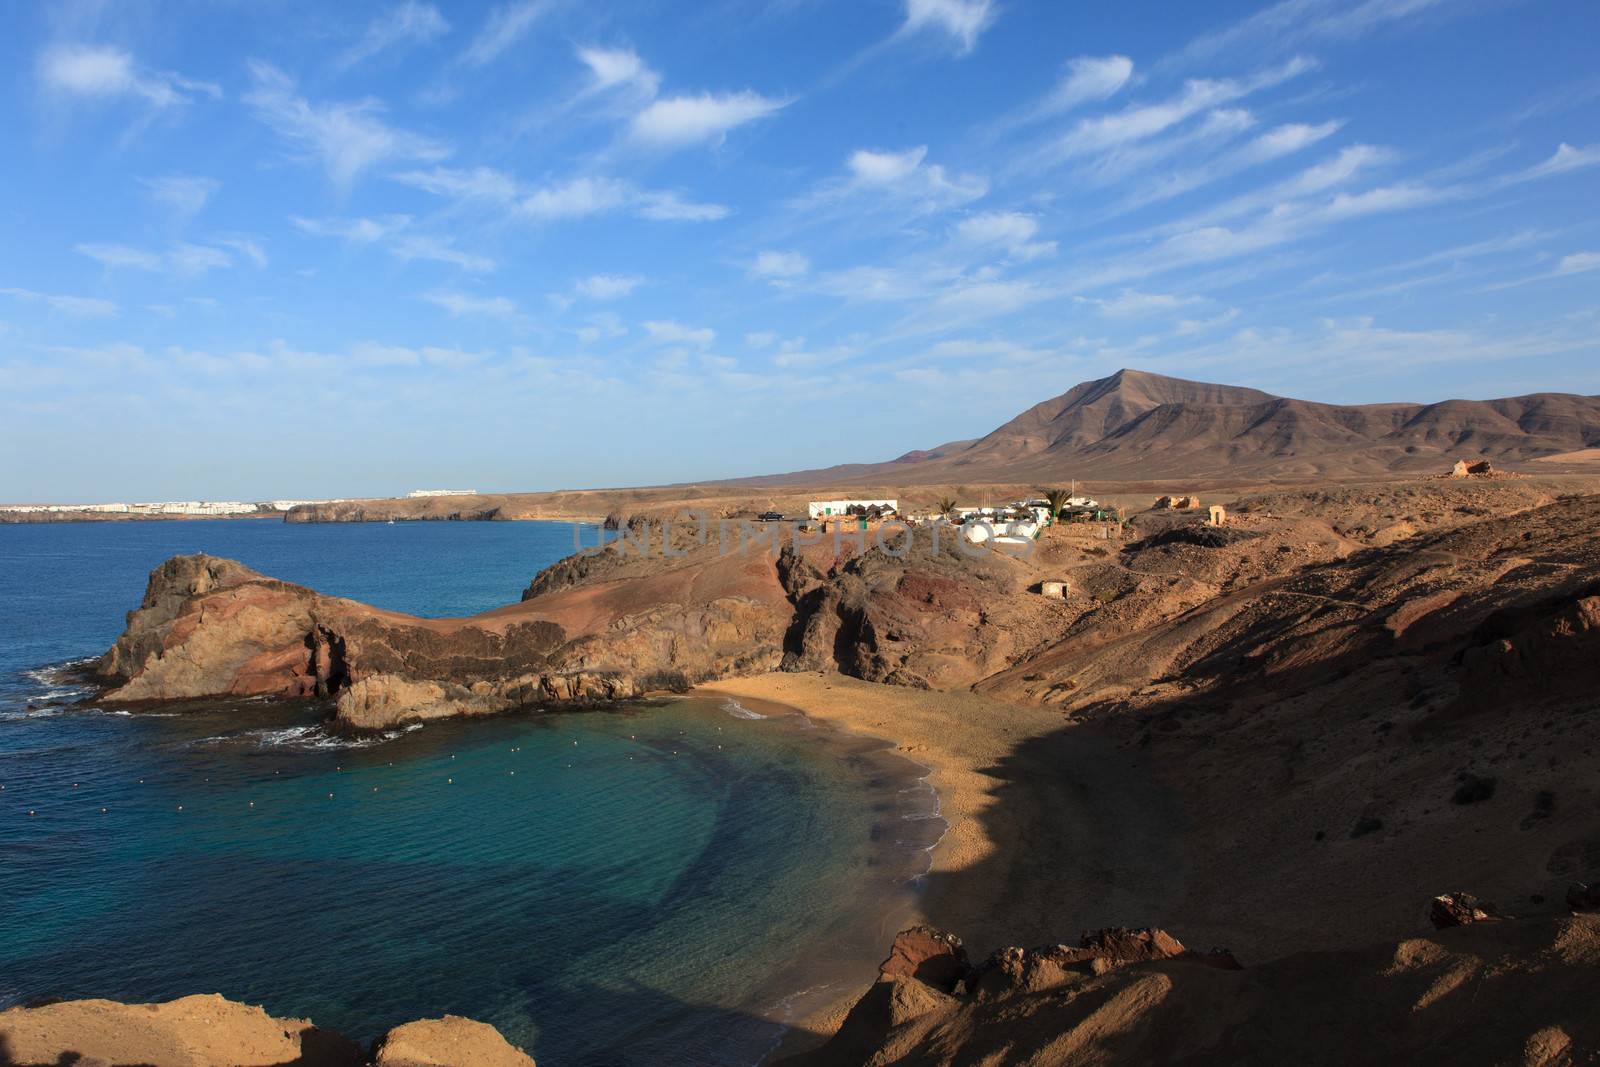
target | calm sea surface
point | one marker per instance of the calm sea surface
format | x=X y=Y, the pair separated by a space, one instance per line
x=656 y=884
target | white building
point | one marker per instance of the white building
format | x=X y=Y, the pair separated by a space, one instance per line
x=442 y=492
x=823 y=509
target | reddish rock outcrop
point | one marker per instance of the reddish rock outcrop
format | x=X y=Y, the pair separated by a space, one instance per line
x=211 y=627
x=931 y=956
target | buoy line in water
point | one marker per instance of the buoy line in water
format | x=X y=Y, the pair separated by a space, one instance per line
x=339 y=769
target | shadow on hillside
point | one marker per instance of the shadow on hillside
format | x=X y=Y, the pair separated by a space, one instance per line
x=1083 y=838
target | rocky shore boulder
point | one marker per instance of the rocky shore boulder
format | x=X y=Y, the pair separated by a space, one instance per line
x=448 y=1042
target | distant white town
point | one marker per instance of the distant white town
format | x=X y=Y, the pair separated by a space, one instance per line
x=213 y=508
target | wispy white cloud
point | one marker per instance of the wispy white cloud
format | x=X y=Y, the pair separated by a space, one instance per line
x=1565 y=159
x=248 y=247
x=1087 y=79
x=680 y=121
x=477 y=183
x=1566 y=266
x=675 y=333
x=672 y=207
x=182 y=258
x=344 y=138
x=183 y=194
x=610 y=68
x=79 y=307
x=777 y=266
x=506 y=25
x=197 y=259
x=105 y=72
x=1275 y=143
x=869 y=283
x=421 y=247
x=394 y=234
x=358 y=230
x=981 y=299
x=605 y=326
x=574 y=198
x=120 y=256
x=1130 y=303
x=1579 y=262
x=961 y=21
x=1292 y=24
x=607 y=286
x=1138 y=122
x=463 y=304
x=1011 y=231
x=903 y=178
x=406 y=23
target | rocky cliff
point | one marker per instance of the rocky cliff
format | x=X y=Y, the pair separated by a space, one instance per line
x=211 y=627
x=1490 y=993
x=209 y=1031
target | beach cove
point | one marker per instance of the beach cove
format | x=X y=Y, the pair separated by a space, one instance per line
x=625 y=885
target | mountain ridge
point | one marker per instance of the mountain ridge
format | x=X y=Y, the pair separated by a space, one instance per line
x=1137 y=425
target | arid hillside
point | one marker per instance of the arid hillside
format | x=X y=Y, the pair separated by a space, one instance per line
x=1135 y=426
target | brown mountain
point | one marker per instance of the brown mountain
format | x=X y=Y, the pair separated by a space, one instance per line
x=1135 y=425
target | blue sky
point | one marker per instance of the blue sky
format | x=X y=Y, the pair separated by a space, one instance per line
x=279 y=249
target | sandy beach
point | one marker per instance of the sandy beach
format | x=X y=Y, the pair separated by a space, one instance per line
x=1052 y=830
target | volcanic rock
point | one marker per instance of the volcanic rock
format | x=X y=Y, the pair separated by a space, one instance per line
x=1461 y=909
x=931 y=956
x=211 y=627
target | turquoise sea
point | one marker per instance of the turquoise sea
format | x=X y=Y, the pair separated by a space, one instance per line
x=651 y=884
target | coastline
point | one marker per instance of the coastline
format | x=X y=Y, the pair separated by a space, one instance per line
x=910 y=826
x=1051 y=829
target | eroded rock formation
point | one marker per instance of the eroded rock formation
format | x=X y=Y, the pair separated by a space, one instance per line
x=1495 y=994
x=211 y=627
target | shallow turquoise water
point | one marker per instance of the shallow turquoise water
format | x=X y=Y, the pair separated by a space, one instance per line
x=644 y=885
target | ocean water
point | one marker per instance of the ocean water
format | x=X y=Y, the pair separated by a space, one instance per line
x=651 y=884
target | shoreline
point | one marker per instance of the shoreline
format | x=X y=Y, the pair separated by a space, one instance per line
x=888 y=898
x=1020 y=791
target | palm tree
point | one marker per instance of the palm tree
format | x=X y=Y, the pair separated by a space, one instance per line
x=946 y=505
x=1057 y=499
